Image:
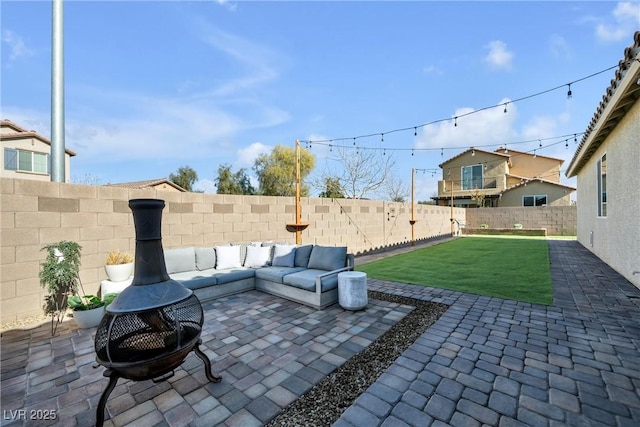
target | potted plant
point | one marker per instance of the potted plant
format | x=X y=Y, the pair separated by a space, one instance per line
x=89 y=309
x=118 y=266
x=59 y=276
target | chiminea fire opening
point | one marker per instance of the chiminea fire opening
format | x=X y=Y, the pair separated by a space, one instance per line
x=151 y=327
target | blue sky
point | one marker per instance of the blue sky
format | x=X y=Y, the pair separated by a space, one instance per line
x=152 y=86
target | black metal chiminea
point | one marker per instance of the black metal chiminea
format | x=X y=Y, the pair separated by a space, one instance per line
x=151 y=327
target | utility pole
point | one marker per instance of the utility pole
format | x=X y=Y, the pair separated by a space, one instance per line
x=57 y=157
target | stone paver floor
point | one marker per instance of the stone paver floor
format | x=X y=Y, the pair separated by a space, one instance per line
x=486 y=361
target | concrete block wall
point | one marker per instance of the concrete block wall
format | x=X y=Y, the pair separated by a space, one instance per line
x=558 y=220
x=36 y=213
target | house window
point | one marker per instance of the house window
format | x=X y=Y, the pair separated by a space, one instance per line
x=471 y=177
x=538 y=200
x=26 y=161
x=602 y=186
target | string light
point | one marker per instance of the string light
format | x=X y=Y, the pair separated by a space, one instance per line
x=415 y=131
x=505 y=107
x=484 y=108
x=569 y=93
x=455 y=121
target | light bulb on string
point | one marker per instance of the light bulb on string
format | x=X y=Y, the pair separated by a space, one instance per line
x=455 y=121
x=569 y=93
x=566 y=143
x=415 y=131
x=441 y=152
x=473 y=152
x=540 y=145
x=505 y=107
x=354 y=142
x=575 y=138
x=382 y=137
x=412 y=152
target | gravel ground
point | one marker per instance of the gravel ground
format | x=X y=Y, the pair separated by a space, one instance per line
x=328 y=399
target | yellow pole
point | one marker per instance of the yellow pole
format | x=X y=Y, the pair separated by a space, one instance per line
x=452 y=208
x=298 y=207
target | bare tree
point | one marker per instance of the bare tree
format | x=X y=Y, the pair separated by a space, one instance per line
x=395 y=190
x=363 y=171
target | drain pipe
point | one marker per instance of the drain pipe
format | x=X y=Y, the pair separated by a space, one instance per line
x=57 y=94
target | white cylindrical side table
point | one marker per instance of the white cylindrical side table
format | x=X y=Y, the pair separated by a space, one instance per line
x=107 y=286
x=352 y=290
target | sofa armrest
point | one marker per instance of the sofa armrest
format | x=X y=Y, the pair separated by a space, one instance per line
x=330 y=273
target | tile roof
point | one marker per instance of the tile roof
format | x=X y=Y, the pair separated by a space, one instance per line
x=149 y=183
x=21 y=132
x=617 y=100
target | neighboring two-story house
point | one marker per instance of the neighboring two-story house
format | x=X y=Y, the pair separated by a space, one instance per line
x=502 y=178
x=27 y=154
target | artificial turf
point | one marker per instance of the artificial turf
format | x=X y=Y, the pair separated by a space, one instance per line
x=514 y=268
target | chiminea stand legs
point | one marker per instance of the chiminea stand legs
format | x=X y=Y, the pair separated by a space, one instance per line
x=114 y=376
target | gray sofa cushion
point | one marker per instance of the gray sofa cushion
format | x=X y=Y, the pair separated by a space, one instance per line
x=302 y=256
x=306 y=279
x=196 y=279
x=327 y=257
x=205 y=258
x=180 y=259
x=233 y=274
x=275 y=274
x=284 y=255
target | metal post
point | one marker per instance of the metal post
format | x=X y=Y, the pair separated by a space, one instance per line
x=57 y=94
x=412 y=221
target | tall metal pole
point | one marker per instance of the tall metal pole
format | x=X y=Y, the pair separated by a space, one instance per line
x=57 y=94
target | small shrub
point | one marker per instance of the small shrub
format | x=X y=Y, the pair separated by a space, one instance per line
x=485 y=226
x=517 y=226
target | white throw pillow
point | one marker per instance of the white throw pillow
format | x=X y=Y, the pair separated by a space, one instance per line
x=284 y=255
x=257 y=256
x=227 y=257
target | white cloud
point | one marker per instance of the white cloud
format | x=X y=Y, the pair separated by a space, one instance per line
x=248 y=155
x=432 y=69
x=560 y=47
x=17 y=47
x=499 y=57
x=626 y=17
x=474 y=129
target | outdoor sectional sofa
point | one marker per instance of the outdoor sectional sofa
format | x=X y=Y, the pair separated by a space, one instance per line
x=305 y=274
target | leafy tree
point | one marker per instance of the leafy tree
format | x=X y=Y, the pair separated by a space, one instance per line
x=185 y=177
x=229 y=182
x=276 y=171
x=333 y=189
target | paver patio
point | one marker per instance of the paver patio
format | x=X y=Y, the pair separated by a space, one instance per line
x=485 y=361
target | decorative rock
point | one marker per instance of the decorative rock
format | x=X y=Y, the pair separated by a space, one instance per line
x=352 y=290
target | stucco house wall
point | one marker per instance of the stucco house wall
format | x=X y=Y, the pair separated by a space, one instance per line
x=614 y=238
x=615 y=131
x=556 y=195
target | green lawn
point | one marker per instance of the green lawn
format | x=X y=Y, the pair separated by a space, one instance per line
x=515 y=268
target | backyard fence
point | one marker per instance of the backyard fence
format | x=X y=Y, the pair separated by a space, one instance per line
x=35 y=213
